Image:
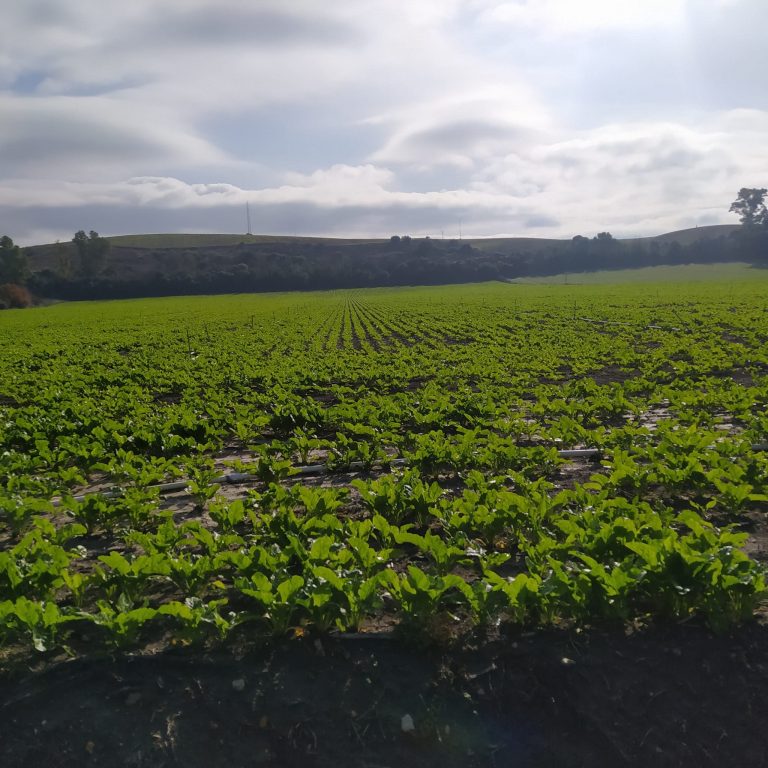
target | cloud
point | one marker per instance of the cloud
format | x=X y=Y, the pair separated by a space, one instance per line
x=564 y=17
x=194 y=56
x=462 y=129
x=461 y=143
x=550 y=116
x=631 y=179
x=82 y=138
x=210 y=26
x=728 y=51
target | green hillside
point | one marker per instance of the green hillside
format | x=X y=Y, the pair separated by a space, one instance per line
x=497 y=244
x=692 y=235
x=184 y=264
x=182 y=240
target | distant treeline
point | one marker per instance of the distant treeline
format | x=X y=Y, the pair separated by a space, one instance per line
x=271 y=266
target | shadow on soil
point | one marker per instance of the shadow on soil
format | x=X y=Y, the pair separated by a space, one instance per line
x=671 y=696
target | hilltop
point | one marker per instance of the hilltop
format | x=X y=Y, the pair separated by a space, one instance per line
x=505 y=244
x=181 y=240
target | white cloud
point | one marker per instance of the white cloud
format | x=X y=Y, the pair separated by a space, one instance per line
x=569 y=17
x=628 y=178
x=462 y=129
x=87 y=138
x=554 y=116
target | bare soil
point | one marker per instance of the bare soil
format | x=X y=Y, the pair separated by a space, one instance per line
x=665 y=696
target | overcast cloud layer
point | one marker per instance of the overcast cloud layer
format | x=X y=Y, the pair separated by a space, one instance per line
x=376 y=117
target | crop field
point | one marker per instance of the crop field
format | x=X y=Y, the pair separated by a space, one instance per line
x=365 y=461
x=431 y=465
x=729 y=273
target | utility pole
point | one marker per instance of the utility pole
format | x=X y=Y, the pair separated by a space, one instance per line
x=248 y=215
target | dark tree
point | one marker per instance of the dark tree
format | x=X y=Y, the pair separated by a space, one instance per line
x=65 y=266
x=13 y=263
x=750 y=206
x=752 y=237
x=92 y=251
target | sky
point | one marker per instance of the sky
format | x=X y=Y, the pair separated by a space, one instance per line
x=355 y=118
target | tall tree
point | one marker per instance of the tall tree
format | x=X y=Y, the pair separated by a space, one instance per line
x=13 y=263
x=750 y=206
x=92 y=251
x=752 y=238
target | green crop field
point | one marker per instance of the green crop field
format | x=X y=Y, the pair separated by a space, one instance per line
x=428 y=462
x=725 y=273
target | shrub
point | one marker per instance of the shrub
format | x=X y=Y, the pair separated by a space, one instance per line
x=14 y=296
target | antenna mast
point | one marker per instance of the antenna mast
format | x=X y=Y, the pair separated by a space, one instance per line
x=248 y=215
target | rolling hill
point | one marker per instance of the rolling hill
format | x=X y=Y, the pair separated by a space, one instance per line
x=167 y=264
x=502 y=244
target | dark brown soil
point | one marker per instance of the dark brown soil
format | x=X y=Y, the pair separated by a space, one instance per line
x=613 y=374
x=670 y=696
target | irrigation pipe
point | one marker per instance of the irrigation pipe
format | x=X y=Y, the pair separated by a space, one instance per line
x=236 y=478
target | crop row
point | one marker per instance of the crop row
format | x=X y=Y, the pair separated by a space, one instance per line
x=474 y=389
x=284 y=558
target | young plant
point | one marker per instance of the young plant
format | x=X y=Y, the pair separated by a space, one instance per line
x=122 y=621
x=41 y=621
x=341 y=600
x=226 y=514
x=94 y=511
x=280 y=599
x=18 y=511
x=399 y=497
x=129 y=577
x=196 y=619
x=419 y=596
x=203 y=484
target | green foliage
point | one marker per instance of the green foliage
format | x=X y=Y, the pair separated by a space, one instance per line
x=18 y=512
x=436 y=417
x=227 y=514
x=92 y=252
x=418 y=596
x=40 y=621
x=196 y=620
x=400 y=496
x=278 y=600
x=202 y=482
x=14 y=267
x=121 y=621
x=750 y=207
